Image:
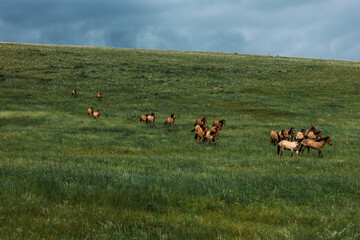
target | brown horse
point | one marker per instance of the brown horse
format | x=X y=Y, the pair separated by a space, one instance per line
x=143 y=118
x=312 y=128
x=287 y=134
x=292 y=146
x=151 y=118
x=316 y=144
x=97 y=114
x=91 y=111
x=200 y=131
x=170 y=120
x=300 y=134
x=314 y=135
x=74 y=92
x=219 y=123
x=200 y=121
x=274 y=137
x=99 y=96
x=211 y=136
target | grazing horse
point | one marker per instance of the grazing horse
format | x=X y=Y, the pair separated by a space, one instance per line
x=170 y=120
x=219 y=123
x=316 y=144
x=292 y=146
x=274 y=137
x=287 y=134
x=314 y=135
x=151 y=118
x=200 y=121
x=99 y=96
x=91 y=111
x=97 y=114
x=74 y=92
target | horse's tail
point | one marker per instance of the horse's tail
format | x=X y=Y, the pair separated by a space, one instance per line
x=278 y=135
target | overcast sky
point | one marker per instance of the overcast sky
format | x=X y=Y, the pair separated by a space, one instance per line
x=295 y=28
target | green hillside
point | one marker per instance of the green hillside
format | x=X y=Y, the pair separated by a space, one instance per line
x=64 y=175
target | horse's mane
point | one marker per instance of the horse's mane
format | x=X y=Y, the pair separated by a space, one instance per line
x=321 y=139
x=318 y=132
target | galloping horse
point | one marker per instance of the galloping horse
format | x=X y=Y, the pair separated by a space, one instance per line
x=316 y=144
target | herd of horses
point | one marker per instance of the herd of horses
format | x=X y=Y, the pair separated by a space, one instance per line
x=285 y=140
x=303 y=139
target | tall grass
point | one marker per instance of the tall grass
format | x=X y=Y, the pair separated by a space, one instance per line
x=66 y=175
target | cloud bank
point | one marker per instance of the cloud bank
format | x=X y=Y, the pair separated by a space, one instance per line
x=314 y=29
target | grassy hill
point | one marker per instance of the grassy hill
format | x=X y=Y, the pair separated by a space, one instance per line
x=65 y=175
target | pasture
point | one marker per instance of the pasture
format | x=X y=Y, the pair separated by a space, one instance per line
x=66 y=175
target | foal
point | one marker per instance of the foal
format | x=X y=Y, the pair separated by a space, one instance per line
x=316 y=144
x=292 y=146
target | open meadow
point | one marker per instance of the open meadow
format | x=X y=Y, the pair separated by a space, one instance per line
x=64 y=175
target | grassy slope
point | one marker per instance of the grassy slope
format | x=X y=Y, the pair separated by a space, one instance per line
x=65 y=175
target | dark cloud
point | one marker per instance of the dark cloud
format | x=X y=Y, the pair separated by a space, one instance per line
x=320 y=28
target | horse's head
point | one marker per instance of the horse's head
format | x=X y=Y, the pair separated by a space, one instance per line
x=313 y=127
x=292 y=130
x=328 y=141
x=223 y=122
x=204 y=120
x=173 y=116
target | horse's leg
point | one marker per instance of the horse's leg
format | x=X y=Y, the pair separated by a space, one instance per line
x=303 y=149
x=292 y=152
x=320 y=153
x=308 y=151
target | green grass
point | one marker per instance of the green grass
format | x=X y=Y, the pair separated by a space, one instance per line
x=64 y=175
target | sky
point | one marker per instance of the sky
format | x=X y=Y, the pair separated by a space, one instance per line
x=326 y=29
